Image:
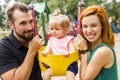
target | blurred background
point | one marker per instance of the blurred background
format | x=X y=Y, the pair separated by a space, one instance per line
x=68 y=7
x=44 y=8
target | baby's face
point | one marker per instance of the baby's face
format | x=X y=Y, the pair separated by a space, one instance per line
x=57 y=31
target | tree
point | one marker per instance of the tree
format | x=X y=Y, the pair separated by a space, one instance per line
x=66 y=6
x=2 y=17
x=113 y=10
x=71 y=7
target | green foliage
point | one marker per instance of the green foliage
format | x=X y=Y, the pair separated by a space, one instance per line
x=66 y=6
x=1 y=17
x=26 y=1
x=113 y=10
x=3 y=20
x=70 y=7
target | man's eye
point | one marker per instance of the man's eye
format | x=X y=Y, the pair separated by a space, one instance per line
x=31 y=21
x=23 y=23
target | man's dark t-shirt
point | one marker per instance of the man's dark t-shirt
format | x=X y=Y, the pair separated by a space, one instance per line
x=12 y=54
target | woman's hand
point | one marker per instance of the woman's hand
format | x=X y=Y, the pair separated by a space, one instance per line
x=80 y=42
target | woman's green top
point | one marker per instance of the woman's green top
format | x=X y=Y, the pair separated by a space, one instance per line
x=106 y=73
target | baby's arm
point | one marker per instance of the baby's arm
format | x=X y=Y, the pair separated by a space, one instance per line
x=71 y=48
x=46 y=50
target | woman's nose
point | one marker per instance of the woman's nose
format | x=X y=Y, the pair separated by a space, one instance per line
x=89 y=29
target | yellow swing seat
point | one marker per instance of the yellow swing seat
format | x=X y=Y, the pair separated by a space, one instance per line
x=58 y=63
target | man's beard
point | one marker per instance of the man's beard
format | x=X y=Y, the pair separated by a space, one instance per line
x=24 y=37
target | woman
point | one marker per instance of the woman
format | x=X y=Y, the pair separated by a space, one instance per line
x=98 y=58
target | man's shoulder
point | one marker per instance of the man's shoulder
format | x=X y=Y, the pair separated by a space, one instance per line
x=4 y=40
x=4 y=45
x=7 y=39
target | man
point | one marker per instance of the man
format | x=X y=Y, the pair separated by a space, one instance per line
x=18 y=51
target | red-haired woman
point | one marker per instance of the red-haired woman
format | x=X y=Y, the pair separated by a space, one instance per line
x=96 y=46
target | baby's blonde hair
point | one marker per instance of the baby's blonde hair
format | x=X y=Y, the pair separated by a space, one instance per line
x=60 y=20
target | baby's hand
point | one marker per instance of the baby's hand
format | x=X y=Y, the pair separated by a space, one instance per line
x=66 y=54
x=44 y=53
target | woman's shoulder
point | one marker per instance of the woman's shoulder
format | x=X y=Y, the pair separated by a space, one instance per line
x=104 y=49
x=104 y=54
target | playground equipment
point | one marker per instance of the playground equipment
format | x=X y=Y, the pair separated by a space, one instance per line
x=40 y=8
x=59 y=63
x=80 y=4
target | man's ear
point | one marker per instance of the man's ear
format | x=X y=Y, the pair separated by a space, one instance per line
x=11 y=25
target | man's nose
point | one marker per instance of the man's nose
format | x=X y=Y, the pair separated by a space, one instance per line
x=29 y=26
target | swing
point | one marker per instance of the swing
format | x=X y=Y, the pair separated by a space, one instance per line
x=58 y=63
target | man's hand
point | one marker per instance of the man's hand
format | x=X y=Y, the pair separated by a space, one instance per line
x=35 y=44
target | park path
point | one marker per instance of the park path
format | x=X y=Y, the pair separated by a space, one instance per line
x=117 y=49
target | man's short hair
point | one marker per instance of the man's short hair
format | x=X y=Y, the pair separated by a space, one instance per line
x=16 y=6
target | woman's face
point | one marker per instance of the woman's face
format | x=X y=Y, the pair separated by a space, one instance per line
x=91 y=28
